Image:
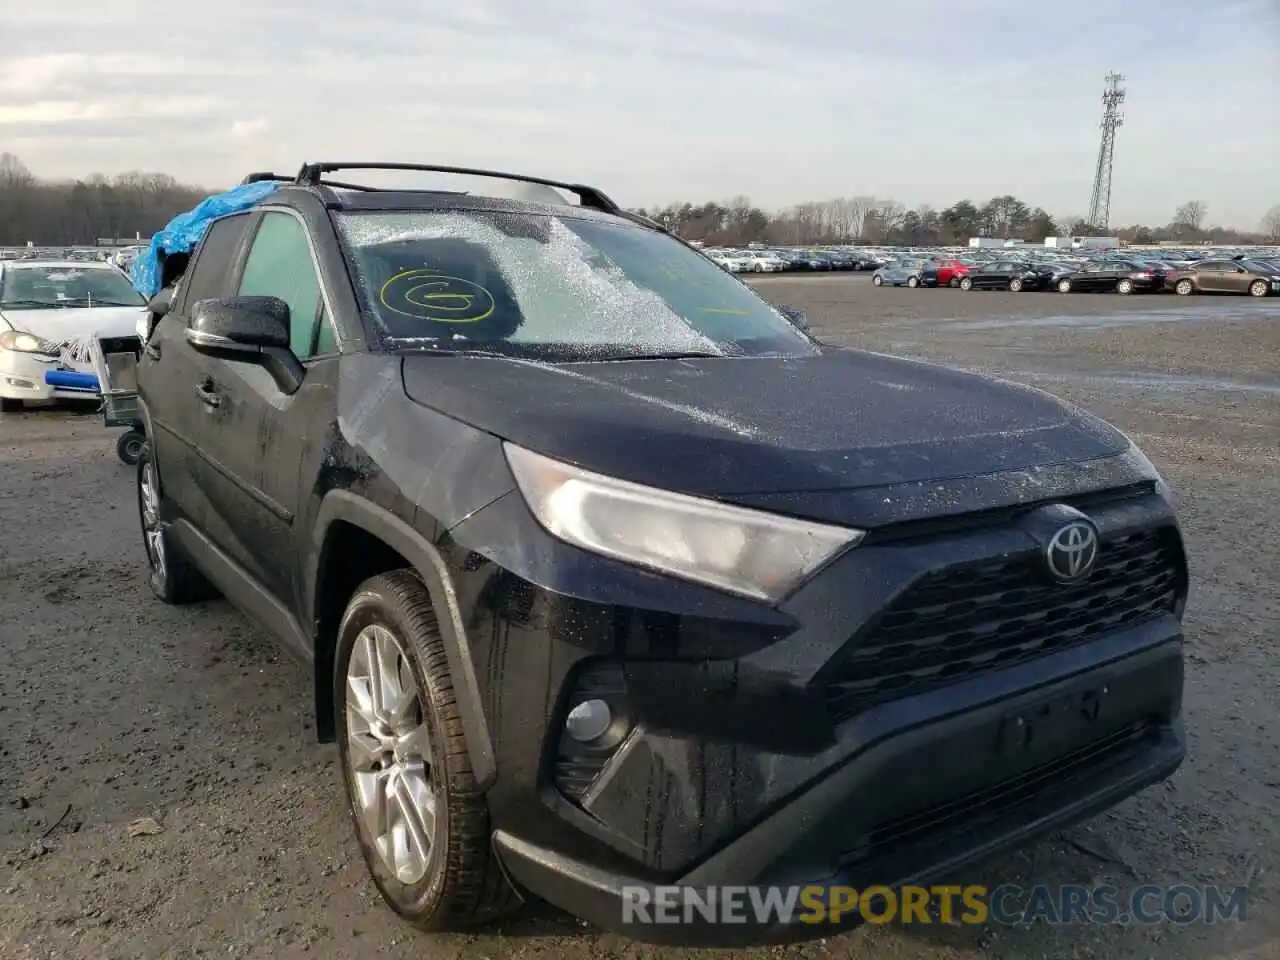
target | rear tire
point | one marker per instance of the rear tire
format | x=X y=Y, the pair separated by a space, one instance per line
x=877 y=280
x=170 y=575
x=1124 y=287
x=953 y=282
x=966 y=284
x=1184 y=288
x=10 y=405
x=1015 y=285
x=913 y=282
x=1259 y=288
x=452 y=878
x=1064 y=286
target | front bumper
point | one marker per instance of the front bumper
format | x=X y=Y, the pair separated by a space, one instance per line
x=765 y=748
x=23 y=377
x=843 y=831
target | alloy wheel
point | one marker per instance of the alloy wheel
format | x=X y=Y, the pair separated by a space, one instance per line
x=152 y=531
x=389 y=754
x=1258 y=288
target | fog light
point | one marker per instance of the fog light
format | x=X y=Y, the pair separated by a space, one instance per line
x=589 y=720
x=20 y=383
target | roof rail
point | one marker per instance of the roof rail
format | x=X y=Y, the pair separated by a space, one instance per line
x=263 y=177
x=311 y=175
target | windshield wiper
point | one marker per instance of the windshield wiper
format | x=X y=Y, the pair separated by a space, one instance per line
x=39 y=304
x=94 y=302
x=664 y=355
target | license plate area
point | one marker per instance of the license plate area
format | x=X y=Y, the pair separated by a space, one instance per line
x=1054 y=722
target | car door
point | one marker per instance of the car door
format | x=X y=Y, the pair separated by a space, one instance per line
x=169 y=369
x=1237 y=278
x=1094 y=276
x=1211 y=276
x=988 y=276
x=250 y=463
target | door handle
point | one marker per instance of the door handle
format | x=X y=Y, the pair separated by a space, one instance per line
x=208 y=395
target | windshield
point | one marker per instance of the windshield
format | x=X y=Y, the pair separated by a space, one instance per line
x=547 y=287
x=35 y=288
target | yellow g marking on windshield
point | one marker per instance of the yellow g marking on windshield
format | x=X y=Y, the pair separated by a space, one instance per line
x=732 y=313
x=425 y=294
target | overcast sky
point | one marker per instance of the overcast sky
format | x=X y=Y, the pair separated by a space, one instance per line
x=923 y=101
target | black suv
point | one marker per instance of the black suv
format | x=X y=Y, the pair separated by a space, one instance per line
x=610 y=574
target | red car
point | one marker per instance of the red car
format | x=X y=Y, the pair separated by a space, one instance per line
x=946 y=273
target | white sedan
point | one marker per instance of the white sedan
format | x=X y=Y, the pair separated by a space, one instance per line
x=760 y=262
x=49 y=312
x=731 y=260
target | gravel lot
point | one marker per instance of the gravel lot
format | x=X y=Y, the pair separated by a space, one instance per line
x=115 y=708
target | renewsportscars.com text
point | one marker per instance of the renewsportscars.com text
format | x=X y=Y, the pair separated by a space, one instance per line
x=1007 y=904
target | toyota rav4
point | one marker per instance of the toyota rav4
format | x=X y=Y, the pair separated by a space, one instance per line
x=610 y=574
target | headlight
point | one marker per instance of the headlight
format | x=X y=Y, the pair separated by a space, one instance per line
x=26 y=343
x=1145 y=466
x=747 y=552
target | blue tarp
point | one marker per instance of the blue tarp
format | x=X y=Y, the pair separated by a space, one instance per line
x=184 y=231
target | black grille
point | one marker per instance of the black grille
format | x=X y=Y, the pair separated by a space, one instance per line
x=984 y=808
x=965 y=621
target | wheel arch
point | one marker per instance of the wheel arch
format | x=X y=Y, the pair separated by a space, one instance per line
x=342 y=518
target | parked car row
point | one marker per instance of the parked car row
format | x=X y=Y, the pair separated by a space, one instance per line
x=778 y=260
x=1243 y=275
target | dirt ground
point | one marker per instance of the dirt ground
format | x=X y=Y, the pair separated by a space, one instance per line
x=115 y=708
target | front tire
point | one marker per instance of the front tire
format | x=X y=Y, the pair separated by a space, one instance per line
x=1015 y=285
x=170 y=575
x=1124 y=287
x=10 y=405
x=966 y=284
x=953 y=282
x=1184 y=288
x=1064 y=286
x=878 y=280
x=422 y=825
x=1259 y=288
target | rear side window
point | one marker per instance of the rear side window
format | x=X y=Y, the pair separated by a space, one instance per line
x=214 y=258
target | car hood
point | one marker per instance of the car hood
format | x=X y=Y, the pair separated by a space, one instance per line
x=73 y=323
x=740 y=428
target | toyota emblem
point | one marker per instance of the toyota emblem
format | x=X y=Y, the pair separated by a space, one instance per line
x=1072 y=551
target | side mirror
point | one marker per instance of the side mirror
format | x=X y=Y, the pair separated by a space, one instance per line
x=247 y=330
x=240 y=321
x=161 y=303
x=794 y=314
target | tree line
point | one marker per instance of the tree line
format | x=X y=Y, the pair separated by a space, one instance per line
x=82 y=212
x=873 y=220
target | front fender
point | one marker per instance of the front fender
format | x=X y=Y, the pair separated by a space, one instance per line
x=341 y=505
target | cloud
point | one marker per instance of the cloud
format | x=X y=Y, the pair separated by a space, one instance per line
x=783 y=100
x=249 y=129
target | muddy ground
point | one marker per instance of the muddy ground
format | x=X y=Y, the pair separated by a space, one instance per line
x=115 y=708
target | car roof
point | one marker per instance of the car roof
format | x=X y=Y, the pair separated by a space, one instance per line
x=542 y=195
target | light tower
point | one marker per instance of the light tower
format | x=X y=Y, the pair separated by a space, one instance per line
x=1100 y=203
